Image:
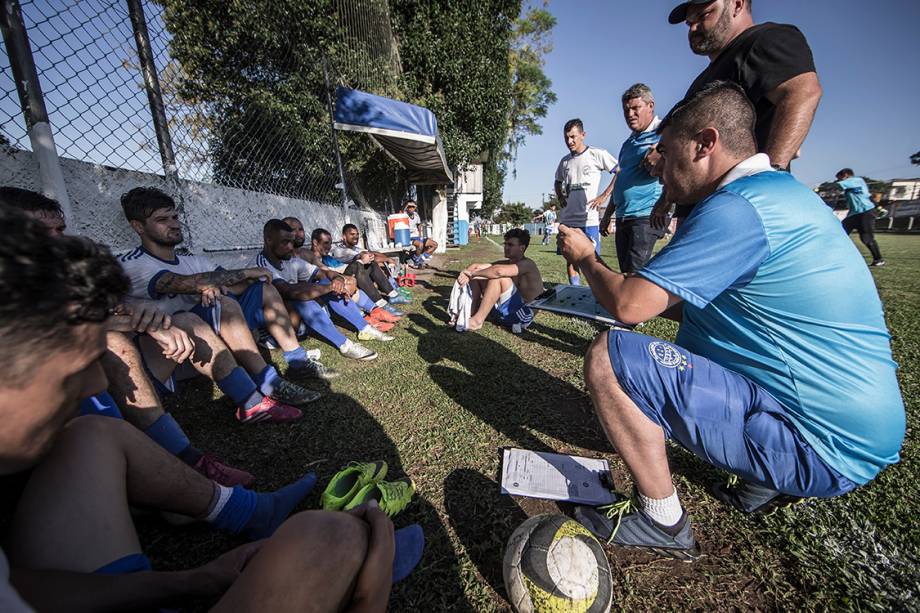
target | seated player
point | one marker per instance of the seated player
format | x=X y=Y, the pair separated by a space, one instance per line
x=378 y=266
x=424 y=247
x=506 y=286
x=772 y=299
x=861 y=216
x=72 y=542
x=131 y=393
x=190 y=288
x=379 y=313
x=307 y=292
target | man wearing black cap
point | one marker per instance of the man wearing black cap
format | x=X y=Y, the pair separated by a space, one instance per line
x=771 y=62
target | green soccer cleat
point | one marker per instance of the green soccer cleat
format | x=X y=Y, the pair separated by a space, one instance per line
x=349 y=481
x=392 y=496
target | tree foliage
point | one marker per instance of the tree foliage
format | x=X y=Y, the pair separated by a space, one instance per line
x=515 y=213
x=915 y=159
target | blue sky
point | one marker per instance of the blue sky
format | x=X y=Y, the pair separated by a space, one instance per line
x=867 y=55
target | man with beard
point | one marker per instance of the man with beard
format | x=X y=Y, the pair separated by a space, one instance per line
x=382 y=288
x=190 y=288
x=771 y=62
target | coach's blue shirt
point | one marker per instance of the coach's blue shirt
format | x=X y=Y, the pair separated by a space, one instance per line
x=636 y=191
x=857 y=193
x=774 y=290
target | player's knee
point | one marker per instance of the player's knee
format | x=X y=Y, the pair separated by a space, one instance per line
x=340 y=535
x=598 y=365
x=94 y=431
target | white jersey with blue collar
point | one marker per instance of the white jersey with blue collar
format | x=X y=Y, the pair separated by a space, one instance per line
x=294 y=270
x=145 y=269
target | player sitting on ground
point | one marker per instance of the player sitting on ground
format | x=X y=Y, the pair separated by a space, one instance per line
x=131 y=393
x=507 y=285
x=73 y=546
x=381 y=317
x=377 y=265
x=190 y=288
x=424 y=247
x=307 y=290
x=773 y=299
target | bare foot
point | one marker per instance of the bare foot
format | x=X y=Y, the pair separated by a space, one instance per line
x=473 y=324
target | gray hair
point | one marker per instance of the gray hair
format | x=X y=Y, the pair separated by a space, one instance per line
x=639 y=90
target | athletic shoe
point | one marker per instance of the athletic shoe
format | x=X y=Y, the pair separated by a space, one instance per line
x=316 y=370
x=347 y=482
x=215 y=470
x=357 y=351
x=289 y=393
x=383 y=315
x=370 y=333
x=405 y=292
x=380 y=325
x=269 y=410
x=392 y=496
x=877 y=263
x=398 y=299
x=392 y=310
x=626 y=524
x=751 y=498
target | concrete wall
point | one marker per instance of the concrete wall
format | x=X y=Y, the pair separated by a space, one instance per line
x=222 y=222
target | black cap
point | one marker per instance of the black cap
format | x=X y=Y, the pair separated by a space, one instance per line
x=679 y=14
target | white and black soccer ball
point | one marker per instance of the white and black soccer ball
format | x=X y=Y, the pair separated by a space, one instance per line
x=552 y=563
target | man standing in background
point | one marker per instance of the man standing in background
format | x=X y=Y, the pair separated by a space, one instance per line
x=861 y=216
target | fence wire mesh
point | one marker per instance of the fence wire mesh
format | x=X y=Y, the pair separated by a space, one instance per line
x=256 y=138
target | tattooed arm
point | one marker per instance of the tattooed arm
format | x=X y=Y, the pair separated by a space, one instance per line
x=171 y=283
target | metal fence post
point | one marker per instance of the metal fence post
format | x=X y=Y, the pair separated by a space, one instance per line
x=335 y=141
x=33 y=105
x=157 y=110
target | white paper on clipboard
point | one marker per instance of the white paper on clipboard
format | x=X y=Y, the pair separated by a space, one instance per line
x=555 y=476
x=576 y=301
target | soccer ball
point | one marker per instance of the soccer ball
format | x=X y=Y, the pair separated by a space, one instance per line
x=552 y=563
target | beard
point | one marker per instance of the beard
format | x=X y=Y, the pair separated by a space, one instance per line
x=707 y=43
x=298 y=243
x=167 y=241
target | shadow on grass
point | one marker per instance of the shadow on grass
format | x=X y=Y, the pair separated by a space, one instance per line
x=506 y=392
x=335 y=430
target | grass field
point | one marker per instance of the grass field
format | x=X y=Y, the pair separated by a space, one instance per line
x=439 y=406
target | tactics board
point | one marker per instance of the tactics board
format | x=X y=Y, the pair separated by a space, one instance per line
x=577 y=301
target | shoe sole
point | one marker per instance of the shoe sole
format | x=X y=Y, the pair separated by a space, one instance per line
x=682 y=555
x=783 y=501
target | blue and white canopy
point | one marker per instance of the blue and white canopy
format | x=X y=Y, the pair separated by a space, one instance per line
x=407 y=133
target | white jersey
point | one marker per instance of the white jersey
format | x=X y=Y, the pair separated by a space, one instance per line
x=580 y=175
x=414 y=222
x=345 y=253
x=294 y=270
x=10 y=600
x=144 y=269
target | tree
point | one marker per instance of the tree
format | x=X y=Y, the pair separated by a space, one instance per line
x=915 y=159
x=515 y=213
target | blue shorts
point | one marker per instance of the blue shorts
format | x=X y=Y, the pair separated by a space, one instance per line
x=131 y=563
x=512 y=311
x=719 y=415
x=592 y=232
x=250 y=303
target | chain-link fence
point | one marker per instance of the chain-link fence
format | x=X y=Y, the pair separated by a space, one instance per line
x=252 y=116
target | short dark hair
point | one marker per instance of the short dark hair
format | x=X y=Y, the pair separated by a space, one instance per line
x=49 y=286
x=845 y=171
x=410 y=201
x=348 y=227
x=722 y=105
x=29 y=201
x=291 y=218
x=573 y=123
x=319 y=233
x=523 y=236
x=141 y=202
x=273 y=226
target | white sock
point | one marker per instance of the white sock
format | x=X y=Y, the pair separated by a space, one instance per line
x=345 y=345
x=665 y=511
x=381 y=303
x=223 y=495
x=393 y=294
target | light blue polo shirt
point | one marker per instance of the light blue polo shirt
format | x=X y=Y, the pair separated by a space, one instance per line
x=636 y=191
x=774 y=290
x=857 y=193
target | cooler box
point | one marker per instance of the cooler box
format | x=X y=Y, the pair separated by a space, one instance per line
x=398 y=226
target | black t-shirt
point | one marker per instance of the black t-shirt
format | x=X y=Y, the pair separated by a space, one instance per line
x=760 y=59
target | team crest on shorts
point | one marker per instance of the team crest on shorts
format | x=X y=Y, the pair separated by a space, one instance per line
x=667 y=355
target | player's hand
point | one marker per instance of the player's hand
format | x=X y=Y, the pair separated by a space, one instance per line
x=606 y=225
x=176 y=344
x=376 y=577
x=595 y=203
x=660 y=214
x=351 y=285
x=211 y=295
x=574 y=244
x=463 y=278
x=338 y=284
x=144 y=316
x=366 y=257
x=216 y=577
x=652 y=162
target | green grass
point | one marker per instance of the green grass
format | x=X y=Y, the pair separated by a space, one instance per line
x=439 y=406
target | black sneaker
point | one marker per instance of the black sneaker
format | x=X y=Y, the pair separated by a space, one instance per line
x=877 y=263
x=625 y=524
x=751 y=498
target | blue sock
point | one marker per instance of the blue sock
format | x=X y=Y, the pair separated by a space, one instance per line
x=317 y=320
x=347 y=311
x=365 y=303
x=169 y=435
x=258 y=515
x=241 y=388
x=100 y=404
x=266 y=378
x=575 y=280
x=297 y=357
x=409 y=545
